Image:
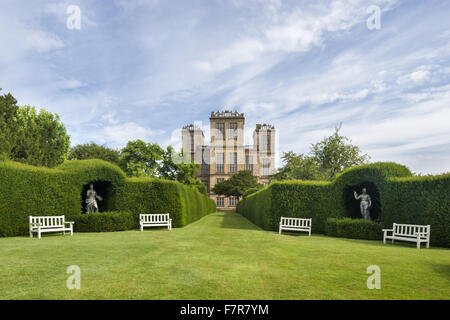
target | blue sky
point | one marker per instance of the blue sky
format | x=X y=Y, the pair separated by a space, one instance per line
x=143 y=69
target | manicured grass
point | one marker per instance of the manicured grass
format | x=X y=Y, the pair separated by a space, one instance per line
x=222 y=256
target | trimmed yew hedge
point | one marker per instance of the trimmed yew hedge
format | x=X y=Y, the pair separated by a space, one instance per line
x=143 y=195
x=353 y=229
x=105 y=222
x=400 y=198
x=26 y=190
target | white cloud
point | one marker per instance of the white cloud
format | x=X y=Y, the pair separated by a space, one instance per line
x=122 y=133
x=71 y=84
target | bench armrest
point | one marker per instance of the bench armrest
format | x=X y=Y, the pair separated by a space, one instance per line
x=387 y=230
x=70 y=222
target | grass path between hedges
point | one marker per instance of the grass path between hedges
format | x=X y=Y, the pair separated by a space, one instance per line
x=222 y=256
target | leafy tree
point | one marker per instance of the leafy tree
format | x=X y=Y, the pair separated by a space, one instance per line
x=327 y=158
x=237 y=185
x=335 y=153
x=141 y=159
x=94 y=151
x=41 y=140
x=8 y=124
x=177 y=166
x=299 y=167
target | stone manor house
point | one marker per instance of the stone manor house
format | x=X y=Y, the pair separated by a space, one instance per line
x=227 y=154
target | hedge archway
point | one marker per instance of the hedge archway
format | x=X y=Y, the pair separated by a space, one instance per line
x=105 y=190
x=352 y=206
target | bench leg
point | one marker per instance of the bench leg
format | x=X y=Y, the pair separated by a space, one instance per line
x=418 y=244
x=279 y=231
x=310 y=232
x=71 y=230
x=428 y=244
x=39 y=234
x=31 y=234
x=142 y=228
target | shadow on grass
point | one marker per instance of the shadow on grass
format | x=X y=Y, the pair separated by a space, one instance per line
x=293 y=234
x=233 y=220
x=389 y=244
x=442 y=268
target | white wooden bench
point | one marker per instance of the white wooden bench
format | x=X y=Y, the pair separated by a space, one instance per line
x=155 y=220
x=295 y=224
x=44 y=224
x=408 y=232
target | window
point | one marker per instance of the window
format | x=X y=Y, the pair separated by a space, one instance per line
x=205 y=169
x=268 y=141
x=265 y=142
x=206 y=183
x=220 y=201
x=233 y=201
x=219 y=162
x=190 y=143
x=205 y=162
x=249 y=163
x=233 y=162
x=220 y=131
x=265 y=167
x=219 y=180
x=232 y=131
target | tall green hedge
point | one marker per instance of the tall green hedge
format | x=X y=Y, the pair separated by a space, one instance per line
x=144 y=195
x=402 y=198
x=105 y=222
x=26 y=190
x=353 y=229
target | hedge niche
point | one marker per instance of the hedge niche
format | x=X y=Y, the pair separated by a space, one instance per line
x=26 y=190
x=397 y=196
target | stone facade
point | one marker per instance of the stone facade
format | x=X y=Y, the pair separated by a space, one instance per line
x=227 y=154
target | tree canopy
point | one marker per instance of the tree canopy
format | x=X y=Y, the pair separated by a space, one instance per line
x=28 y=136
x=237 y=185
x=177 y=166
x=327 y=158
x=335 y=154
x=94 y=151
x=139 y=158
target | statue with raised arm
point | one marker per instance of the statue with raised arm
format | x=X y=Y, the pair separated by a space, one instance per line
x=91 y=199
x=365 y=203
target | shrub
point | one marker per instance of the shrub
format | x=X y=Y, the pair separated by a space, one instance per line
x=353 y=228
x=397 y=196
x=105 y=222
x=201 y=188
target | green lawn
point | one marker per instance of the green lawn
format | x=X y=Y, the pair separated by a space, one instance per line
x=222 y=256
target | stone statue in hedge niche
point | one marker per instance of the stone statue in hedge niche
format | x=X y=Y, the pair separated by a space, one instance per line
x=365 y=203
x=91 y=199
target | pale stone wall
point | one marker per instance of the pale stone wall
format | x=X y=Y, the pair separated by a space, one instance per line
x=231 y=143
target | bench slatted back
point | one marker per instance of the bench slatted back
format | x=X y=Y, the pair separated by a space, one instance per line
x=296 y=222
x=48 y=221
x=409 y=230
x=154 y=218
